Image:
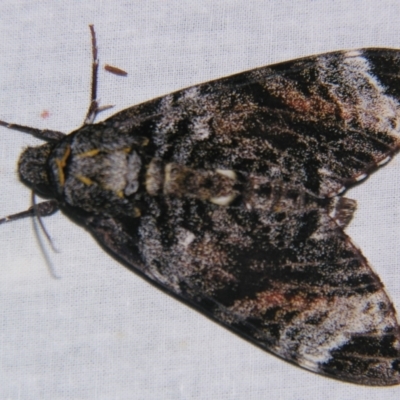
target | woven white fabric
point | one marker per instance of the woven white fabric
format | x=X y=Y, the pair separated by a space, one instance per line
x=101 y=332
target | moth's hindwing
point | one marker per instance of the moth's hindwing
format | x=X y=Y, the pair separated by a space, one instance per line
x=227 y=194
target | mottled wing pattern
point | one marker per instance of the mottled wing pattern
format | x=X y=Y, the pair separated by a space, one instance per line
x=268 y=257
x=291 y=281
x=321 y=123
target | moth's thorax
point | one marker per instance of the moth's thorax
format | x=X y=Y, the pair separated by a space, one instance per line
x=91 y=172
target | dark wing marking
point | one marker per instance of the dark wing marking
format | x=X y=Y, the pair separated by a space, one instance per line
x=290 y=280
x=321 y=123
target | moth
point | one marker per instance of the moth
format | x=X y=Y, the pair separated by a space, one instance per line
x=229 y=195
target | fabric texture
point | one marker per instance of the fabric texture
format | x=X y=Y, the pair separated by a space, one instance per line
x=100 y=331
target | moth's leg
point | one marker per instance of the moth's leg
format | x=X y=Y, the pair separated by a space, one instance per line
x=94 y=107
x=43 y=134
x=40 y=210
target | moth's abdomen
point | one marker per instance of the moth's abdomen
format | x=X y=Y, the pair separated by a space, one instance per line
x=216 y=186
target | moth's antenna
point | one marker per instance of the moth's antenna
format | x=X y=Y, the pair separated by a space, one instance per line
x=43 y=134
x=38 y=215
x=43 y=209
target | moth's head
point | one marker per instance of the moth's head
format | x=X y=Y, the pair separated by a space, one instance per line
x=32 y=169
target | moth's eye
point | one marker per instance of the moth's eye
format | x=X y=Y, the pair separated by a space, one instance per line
x=43 y=190
x=32 y=168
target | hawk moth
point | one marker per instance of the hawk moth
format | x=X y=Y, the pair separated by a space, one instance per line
x=229 y=195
